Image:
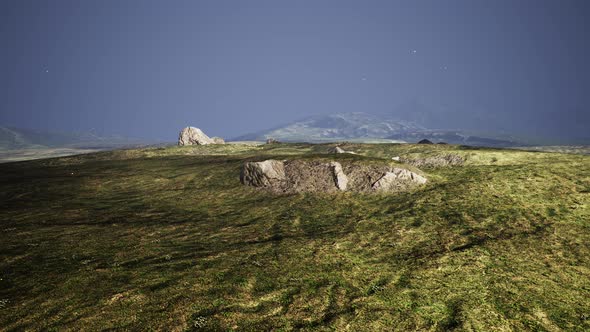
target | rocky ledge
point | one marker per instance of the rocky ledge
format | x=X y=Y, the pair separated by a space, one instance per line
x=293 y=176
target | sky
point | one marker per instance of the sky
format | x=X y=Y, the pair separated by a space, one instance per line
x=146 y=69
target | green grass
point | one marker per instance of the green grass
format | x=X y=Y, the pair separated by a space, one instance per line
x=168 y=239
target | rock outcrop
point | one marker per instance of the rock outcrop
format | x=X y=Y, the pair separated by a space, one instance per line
x=446 y=160
x=397 y=179
x=271 y=140
x=193 y=136
x=341 y=150
x=218 y=140
x=266 y=173
x=318 y=176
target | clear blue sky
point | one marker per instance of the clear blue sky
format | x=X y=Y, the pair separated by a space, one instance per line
x=147 y=68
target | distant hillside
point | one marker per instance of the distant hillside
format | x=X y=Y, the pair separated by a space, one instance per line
x=19 y=138
x=338 y=126
x=363 y=126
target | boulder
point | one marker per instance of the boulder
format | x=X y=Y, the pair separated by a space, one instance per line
x=398 y=179
x=218 y=140
x=340 y=178
x=263 y=173
x=193 y=136
x=271 y=140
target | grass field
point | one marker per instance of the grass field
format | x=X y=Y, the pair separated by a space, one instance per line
x=168 y=239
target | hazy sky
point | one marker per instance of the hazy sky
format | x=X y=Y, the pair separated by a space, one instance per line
x=147 y=68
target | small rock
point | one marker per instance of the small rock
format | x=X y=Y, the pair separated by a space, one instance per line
x=396 y=158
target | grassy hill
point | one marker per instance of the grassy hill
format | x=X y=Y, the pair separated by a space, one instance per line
x=168 y=239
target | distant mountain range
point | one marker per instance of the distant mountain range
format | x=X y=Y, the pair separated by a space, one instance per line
x=335 y=127
x=363 y=126
x=18 y=138
x=324 y=128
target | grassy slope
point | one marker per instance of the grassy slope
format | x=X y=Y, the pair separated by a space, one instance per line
x=168 y=239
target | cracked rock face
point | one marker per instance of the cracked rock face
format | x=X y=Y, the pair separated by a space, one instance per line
x=195 y=136
x=316 y=176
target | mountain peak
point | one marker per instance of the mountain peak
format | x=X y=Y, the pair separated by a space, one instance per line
x=337 y=126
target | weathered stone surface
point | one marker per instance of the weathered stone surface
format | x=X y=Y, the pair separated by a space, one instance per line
x=398 y=179
x=193 y=136
x=340 y=178
x=296 y=176
x=263 y=174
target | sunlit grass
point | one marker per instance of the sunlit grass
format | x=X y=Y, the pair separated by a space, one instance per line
x=168 y=239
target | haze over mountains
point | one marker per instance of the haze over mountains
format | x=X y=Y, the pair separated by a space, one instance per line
x=335 y=126
x=408 y=127
x=363 y=126
x=564 y=124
